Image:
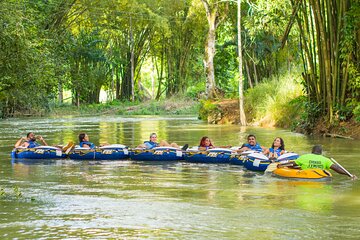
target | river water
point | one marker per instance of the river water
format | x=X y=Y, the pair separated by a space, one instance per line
x=65 y=199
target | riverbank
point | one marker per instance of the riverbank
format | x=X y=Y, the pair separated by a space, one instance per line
x=227 y=112
x=171 y=106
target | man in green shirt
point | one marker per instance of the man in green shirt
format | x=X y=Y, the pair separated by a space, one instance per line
x=315 y=160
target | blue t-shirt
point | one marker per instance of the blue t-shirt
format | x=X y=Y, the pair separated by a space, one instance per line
x=32 y=144
x=150 y=145
x=87 y=143
x=255 y=147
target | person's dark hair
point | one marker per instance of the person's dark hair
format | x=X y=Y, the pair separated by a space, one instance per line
x=81 y=137
x=152 y=134
x=317 y=149
x=202 y=142
x=282 y=144
x=251 y=135
x=28 y=134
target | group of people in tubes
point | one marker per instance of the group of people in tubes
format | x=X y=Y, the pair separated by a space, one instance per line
x=313 y=160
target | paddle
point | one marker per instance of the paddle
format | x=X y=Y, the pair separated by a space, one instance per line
x=271 y=167
x=346 y=171
x=67 y=148
x=274 y=165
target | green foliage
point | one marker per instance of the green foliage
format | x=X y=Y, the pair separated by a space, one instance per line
x=26 y=67
x=196 y=90
x=85 y=46
x=263 y=31
x=349 y=48
x=343 y=113
x=16 y=193
x=308 y=116
x=176 y=105
x=207 y=107
x=292 y=113
x=273 y=100
x=356 y=113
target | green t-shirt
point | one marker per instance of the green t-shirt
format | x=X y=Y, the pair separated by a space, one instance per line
x=311 y=161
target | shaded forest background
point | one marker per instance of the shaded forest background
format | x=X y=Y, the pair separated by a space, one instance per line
x=301 y=55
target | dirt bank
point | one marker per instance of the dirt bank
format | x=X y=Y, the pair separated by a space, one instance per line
x=349 y=129
x=227 y=112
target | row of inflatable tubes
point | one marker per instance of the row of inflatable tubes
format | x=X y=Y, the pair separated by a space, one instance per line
x=251 y=160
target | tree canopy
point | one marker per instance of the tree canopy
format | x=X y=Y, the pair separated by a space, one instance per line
x=141 y=49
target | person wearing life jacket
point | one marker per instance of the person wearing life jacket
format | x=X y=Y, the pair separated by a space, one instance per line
x=30 y=141
x=251 y=145
x=277 y=148
x=84 y=141
x=205 y=144
x=152 y=143
x=315 y=160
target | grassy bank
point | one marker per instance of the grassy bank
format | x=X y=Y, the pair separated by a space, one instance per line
x=172 y=106
x=277 y=101
x=280 y=102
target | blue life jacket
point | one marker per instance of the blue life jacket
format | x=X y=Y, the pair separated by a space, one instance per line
x=150 y=145
x=206 y=148
x=87 y=143
x=256 y=147
x=277 y=151
x=32 y=144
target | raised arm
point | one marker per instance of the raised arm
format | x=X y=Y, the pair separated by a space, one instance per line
x=42 y=140
x=20 y=142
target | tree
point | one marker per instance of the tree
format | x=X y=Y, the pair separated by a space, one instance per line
x=328 y=38
x=215 y=15
x=241 y=79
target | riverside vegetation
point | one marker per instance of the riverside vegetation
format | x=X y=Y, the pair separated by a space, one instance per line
x=298 y=67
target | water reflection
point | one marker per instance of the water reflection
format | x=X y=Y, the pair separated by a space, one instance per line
x=126 y=199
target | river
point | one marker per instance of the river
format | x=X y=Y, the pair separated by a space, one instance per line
x=65 y=199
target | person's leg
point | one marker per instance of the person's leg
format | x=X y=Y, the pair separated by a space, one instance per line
x=164 y=143
x=68 y=145
x=141 y=146
x=174 y=145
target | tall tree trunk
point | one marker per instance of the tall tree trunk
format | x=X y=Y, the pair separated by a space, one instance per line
x=211 y=14
x=248 y=73
x=255 y=74
x=118 y=84
x=241 y=78
x=132 y=62
x=60 y=93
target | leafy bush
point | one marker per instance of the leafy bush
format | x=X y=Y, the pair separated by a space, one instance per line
x=272 y=98
x=306 y=114
x=196 y=90
x=206 y=108
x=356 y=113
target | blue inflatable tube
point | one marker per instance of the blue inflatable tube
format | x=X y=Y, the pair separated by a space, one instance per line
x=215 y=155
x=239 y=158
x=40 y=152
x=260 y=162
x=157 y=154
x=110 y=152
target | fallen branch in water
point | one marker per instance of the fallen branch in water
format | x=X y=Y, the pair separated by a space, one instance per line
x=336 y=136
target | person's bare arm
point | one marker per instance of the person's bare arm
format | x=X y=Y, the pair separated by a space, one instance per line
x=339 y=170
x=20 y=142
x=42 y=140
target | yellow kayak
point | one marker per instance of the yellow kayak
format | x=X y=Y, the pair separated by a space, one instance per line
x=302 y=174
